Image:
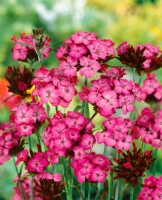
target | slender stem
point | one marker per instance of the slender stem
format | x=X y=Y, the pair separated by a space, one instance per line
x=19 y=181
x=31 y=182
x=12 y=95
x=31 y=189
x=56 y=108
x=84 y=102
x=89 y=191
x=30 y=142
x=109 y=186
x=83 y=189
x=82 y=197
x=48 y=109
x=131 y=193
x=155 y=163
x=105 y=150
x=124 y=189
x=39 y=141
x=68 y=195
x=99 y=186
x=117 y=190
x=91 y=118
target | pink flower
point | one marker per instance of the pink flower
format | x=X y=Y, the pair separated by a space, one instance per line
x=123 y=48
x=22 y=156
x=23 y=114
x=77 y=51
x=147 y=63
x=25 y=48
x=19 y=52
x=110 y=47
x=42 y=76
x=69 y=66
x=127 y=165
x=150 y=84
x=57 y=177
x=157 y=194
x=158 y=123
x=53 y=156
x=87 y=141
x=83 y=95
x=79 y=152
x=25 y=129
x=37 y=163
x=98 y=49
x=108 y=100
x=101 y=137
x=22 y=86
x=39 y=113
x=89 y=66
x=83 y=37
x=98 y=175
x=123 y=86
x=126 y=103
x=49 y=94
x=61 y=52
x=67 y=92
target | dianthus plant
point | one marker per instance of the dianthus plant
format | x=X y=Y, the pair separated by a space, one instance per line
x=83 y=128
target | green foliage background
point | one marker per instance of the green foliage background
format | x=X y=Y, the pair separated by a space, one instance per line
x=137 y=21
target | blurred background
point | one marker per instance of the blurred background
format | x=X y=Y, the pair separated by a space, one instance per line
x=135 y=21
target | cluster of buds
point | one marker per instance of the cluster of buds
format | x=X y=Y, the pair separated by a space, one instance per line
x=132 y=164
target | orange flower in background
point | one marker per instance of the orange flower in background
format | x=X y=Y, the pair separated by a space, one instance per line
x=4 y=94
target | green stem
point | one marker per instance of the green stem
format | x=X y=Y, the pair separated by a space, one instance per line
x=155 y=163
x=124 y=189
x=39 y=141
x=110 y=182
x=30 y=142
x=89 y=191
x=105 y=150
x=91 y=118
x=99 y=186
x=117 y=190
x=68 y=195
x=48 y=109
x=19 y=181
x=84 y=102
x=56 y=109
x=83 y=189
x=81 y=195
x=131 y=193
x=31 y=188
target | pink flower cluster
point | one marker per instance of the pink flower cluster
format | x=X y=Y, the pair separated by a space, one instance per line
x=26 y=188
x=27 y=116
x=110 y=92
x=8 y=140
x=116 y=133
x=25 y=48
x=152 y=189
x=54 y=87
x=85 y=53
x=149 y=53
x=149 y=127
x=46 y=175
x=90 y=167
x=37 y=163
x=65 y=132
x=152 y=88
x=26 y=185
